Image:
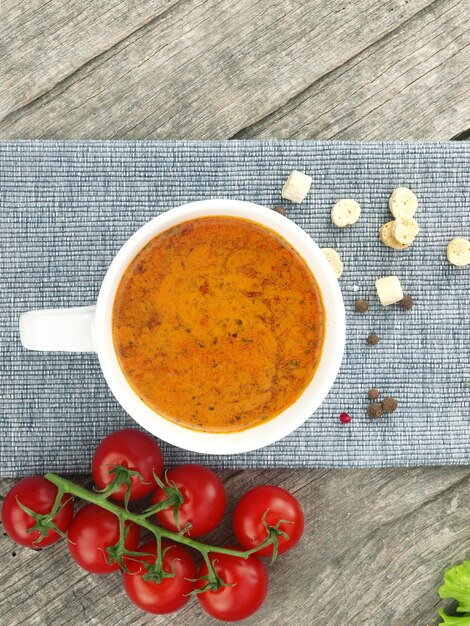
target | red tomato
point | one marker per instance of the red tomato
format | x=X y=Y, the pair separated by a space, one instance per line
x=132 y=449
x=280 y=505
x=250 y=585
x=92 y=531
x=204 y=500
x=37 y=494
x=171 y=593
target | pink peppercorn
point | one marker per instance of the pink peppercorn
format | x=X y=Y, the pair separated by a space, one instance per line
x=344 y=418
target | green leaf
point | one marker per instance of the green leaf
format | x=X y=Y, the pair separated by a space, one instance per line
x=457 y=586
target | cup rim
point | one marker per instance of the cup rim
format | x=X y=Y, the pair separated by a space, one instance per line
x=288 y=420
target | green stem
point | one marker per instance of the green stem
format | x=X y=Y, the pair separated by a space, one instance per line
x=159 y=561
x=122 y=533
x=57 y=502
x=66 y=486
x=210 y=567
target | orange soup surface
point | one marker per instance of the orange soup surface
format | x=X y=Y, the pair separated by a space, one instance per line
x=218 y=324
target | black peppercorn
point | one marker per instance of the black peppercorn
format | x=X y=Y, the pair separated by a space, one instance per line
x=407 y=302
x=361 y=306
x=374 y=410
x=389 y=404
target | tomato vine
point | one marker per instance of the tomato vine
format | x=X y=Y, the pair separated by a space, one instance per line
x=183 y=504
x=118 y=552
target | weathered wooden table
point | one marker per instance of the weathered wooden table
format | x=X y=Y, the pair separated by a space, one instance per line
x=376 y=541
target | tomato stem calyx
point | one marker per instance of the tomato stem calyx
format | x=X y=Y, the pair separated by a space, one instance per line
x=44 y=522
x=174 y=498
x=121 y=477
x=118 y=553
x=274 y=532
x=155 y=573
x=213 y=582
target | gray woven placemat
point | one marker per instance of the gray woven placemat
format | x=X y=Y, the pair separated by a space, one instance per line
x=67 y=207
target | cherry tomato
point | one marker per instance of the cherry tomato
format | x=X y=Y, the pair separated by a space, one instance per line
x=171 y=593
x=249 y=582
x=280 y=505
x=37 y=494
x=133 y=449
x=94 y=529
x=204 y=499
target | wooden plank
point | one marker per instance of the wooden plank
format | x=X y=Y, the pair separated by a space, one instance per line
x=43 y=41
x=207 y=69
x=413 y=84
x=374 y=550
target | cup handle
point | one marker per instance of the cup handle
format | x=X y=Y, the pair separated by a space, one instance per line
x=64 y=330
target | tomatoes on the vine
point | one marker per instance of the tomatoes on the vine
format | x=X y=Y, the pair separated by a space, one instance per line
x=203 y=499
x=91 y=532
x=104 y=536
x=133 y=450
x=37 y=494
x=247 y=585
x=171 y=593
x=278 y=504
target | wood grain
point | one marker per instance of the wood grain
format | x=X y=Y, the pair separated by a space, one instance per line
x=207 y=69
x=413 y=84
x=375 y=547
x=44 y=41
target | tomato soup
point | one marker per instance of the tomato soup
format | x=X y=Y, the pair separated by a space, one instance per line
x=218 y=324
